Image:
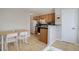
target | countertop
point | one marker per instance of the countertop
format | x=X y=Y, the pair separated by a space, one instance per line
x=45 y=26
x=42 y=26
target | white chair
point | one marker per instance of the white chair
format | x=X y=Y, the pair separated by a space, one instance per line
x=0 y=43
x=13 y=37
x=23 y=36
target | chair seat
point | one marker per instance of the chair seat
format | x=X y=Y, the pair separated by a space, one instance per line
x=11 y=40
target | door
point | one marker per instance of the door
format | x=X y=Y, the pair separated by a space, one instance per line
x=78 y=28
x=69 y=24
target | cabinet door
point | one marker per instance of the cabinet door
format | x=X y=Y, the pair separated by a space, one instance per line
x=47 y=17
x=36 y=17
x=51 y=17
x=44 y=35
x=42 y=17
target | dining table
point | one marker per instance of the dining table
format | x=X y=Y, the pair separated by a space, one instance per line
x=4 y=33
x=2 y=38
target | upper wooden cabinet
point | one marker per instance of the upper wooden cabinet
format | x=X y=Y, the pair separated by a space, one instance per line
x=36 y=18
x=41 y=17
x=50 y=17
x=47 y=17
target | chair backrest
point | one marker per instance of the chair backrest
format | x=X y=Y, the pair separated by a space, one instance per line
x=23 y=34
x=12 y=35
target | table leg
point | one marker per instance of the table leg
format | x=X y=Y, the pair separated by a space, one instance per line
x=2 y=48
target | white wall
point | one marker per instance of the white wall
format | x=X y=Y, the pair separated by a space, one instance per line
x=58 y=22
x=11 y=19
x=58 y=14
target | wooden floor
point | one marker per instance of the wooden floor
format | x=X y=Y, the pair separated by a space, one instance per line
x=33 y=45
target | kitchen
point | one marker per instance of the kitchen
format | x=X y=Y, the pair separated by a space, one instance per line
x=37 y=28
x=42 y=23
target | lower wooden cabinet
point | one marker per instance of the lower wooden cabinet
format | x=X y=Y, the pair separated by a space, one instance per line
x=44 y=35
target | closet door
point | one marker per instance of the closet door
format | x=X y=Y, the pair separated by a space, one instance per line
x=69 y=25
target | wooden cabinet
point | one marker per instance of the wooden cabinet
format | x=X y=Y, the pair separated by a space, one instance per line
x=47 y=17
x=43 y=35
x=36 y=18
x=50 y=17
x=41 y=17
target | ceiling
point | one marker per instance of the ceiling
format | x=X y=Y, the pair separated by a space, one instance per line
x=39 y=11
x=31 y=11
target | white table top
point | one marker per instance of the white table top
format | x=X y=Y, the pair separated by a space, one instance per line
x=9 y=32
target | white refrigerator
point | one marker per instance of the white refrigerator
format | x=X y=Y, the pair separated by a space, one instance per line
x=54 y=33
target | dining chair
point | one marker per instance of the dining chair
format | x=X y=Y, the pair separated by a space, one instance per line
x=23 y=37
x=13 y=37
x=0 y=43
